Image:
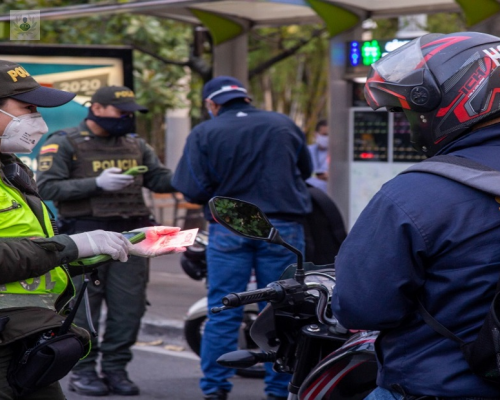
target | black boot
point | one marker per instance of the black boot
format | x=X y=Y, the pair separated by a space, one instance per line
x=119 y=383
x=87 y=383
x=218 y=395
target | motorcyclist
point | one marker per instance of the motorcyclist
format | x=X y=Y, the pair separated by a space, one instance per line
x=423 y=236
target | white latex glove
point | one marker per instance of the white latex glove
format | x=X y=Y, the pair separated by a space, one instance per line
x=112 y=179
x=102 y=242
x=155 y=243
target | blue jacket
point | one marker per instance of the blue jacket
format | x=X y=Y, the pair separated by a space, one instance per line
x=424 y=235
x=249 y=154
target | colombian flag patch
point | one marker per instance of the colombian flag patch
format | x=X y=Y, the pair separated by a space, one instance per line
x=50 y=148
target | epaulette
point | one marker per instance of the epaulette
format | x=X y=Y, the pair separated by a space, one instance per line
x=64 y=132
x=58 y=133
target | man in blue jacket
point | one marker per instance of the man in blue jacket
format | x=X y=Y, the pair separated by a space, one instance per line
x=260 y=157
x=424 y=236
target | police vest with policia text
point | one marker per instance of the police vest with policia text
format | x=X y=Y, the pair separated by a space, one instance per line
x=92 y=156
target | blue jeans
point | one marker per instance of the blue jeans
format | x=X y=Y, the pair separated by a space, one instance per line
x=230 y=260
x=384 y=394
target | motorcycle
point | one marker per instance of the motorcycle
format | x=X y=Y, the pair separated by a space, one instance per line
x=194 y=264
x=296 y=331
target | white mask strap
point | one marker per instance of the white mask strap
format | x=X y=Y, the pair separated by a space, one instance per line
x=10 y=115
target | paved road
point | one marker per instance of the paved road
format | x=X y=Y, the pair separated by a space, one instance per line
x=170 y=290
x=170 y=374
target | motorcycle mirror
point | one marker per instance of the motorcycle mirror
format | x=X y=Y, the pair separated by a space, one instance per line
x=246 y=219
x=241 y=217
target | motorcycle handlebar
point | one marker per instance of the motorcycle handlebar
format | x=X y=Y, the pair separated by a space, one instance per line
x=253 y=296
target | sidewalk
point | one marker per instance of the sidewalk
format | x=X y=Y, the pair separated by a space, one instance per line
x=170 y=294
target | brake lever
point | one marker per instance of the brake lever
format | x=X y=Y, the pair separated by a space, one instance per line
x=321 y=311
x=216 y=310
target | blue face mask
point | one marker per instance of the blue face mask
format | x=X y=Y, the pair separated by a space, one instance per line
x=211 y=114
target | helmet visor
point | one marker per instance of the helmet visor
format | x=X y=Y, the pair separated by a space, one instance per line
x=401 y=62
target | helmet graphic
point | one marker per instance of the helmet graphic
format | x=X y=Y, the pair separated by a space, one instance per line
x=444 y=84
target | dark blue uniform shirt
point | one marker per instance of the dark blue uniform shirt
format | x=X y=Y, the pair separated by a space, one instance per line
x=249 y=154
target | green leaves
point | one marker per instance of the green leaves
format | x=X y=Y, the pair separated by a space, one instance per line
x=297 y=84
x=158 y=85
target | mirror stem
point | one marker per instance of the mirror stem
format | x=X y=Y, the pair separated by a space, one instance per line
x=274 y=237
x=299 y=272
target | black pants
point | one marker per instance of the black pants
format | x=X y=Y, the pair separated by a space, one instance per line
x=123 y=290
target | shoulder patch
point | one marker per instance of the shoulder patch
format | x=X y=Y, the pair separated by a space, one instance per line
x=49 y=148
x=45 y=163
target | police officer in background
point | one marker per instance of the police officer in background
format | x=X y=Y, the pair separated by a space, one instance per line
x=80 y=169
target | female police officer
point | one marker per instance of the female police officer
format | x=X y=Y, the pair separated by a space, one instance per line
x=33 y=287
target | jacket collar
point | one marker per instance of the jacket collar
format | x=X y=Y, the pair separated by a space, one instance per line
x=238 y=105
x=489 y=135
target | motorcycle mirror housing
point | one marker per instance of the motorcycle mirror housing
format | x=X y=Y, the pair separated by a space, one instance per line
x=243 y=218
x=248 y=220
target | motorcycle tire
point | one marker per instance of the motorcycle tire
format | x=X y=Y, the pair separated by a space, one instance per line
x=193 y=331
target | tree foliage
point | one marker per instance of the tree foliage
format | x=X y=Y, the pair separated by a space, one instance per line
x=436 y=23
x=169 y=70
x=288 y=66
x=296 y=86
x=158 y=85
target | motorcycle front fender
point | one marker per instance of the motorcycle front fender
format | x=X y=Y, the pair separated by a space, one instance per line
x=198 y=309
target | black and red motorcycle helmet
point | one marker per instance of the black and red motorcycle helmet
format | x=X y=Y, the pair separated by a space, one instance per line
x=445 y=84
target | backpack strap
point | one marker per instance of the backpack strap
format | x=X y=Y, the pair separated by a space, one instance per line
x=472 y=174
x=459 y=169
x=434 y=324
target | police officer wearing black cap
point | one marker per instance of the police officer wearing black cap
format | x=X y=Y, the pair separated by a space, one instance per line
x=80 y=169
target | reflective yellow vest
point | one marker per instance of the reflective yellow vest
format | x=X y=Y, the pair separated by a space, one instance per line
x=18 y=220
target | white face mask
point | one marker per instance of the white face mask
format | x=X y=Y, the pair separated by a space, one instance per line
x=23 y=133
x=322 y=141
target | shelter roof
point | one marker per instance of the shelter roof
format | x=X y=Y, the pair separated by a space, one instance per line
x=229 y=18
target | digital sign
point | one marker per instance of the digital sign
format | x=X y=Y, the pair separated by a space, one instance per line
x=365 y=53
x=371 y=131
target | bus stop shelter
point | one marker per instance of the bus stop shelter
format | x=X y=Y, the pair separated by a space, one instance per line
x=230 y=20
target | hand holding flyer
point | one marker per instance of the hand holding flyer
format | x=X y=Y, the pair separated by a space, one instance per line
x=180 y=239
x=161 y=240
